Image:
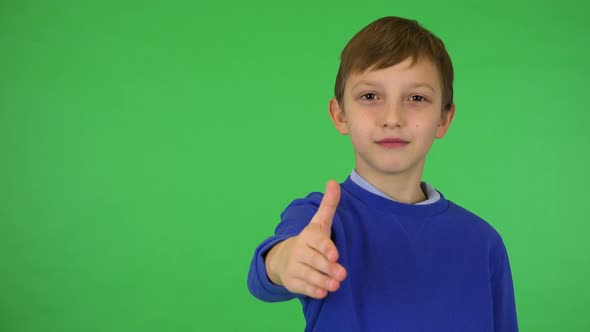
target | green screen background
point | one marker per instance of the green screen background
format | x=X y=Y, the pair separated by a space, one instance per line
x=148 y=147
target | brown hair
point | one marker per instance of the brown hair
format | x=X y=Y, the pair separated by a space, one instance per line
x=389 y=41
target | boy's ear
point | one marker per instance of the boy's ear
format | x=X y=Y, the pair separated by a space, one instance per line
x=338 y=117
x=445 y=122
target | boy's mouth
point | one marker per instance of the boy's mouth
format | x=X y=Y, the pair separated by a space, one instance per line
x=392 y=142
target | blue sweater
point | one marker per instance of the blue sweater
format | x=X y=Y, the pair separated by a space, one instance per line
x=434 y=267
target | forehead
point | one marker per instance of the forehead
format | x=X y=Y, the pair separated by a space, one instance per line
x=423 y=72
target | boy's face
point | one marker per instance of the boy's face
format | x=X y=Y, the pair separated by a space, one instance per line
x=395 y=103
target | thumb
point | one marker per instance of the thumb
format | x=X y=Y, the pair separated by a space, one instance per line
x=327 y=208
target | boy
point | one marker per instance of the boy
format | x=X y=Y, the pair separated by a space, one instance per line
x=384 y=251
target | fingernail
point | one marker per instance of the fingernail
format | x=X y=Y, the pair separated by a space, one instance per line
x=330 y=255
x=335 y=285
x=320 y=292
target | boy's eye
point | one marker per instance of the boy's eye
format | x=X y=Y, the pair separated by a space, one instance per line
x=417 y=98
x=369 y=96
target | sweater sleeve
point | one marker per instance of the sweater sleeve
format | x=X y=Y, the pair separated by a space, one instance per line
x=505 y=319
x=293 y=220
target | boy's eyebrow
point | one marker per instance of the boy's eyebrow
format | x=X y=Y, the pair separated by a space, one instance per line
x=420 y=85
x=413 y=85
x=369 y=83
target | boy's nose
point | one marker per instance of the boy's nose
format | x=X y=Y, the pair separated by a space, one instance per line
x=393 y=115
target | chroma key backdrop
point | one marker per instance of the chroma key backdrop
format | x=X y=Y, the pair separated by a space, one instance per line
x=147 y=148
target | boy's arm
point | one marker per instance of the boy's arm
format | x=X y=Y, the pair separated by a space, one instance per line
x=293 y=220
x=301 y=255
x=505 y=319
x=259 y=283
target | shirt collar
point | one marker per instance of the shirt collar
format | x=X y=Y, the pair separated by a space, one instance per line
x=431 y=193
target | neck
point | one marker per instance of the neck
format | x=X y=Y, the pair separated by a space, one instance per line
x=399 y=187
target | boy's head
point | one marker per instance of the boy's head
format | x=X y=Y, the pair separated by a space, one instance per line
x=393 y=97
x=389 y=41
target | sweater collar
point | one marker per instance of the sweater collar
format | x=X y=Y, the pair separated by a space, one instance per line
x=388 y=205
x=431 y=194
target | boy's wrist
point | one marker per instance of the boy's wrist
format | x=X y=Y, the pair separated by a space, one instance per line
x=268 y=264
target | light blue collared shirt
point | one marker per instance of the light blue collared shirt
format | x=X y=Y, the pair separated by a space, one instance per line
x=432 y=194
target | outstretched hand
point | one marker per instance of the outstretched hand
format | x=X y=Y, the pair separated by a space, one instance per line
x=307 y=263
